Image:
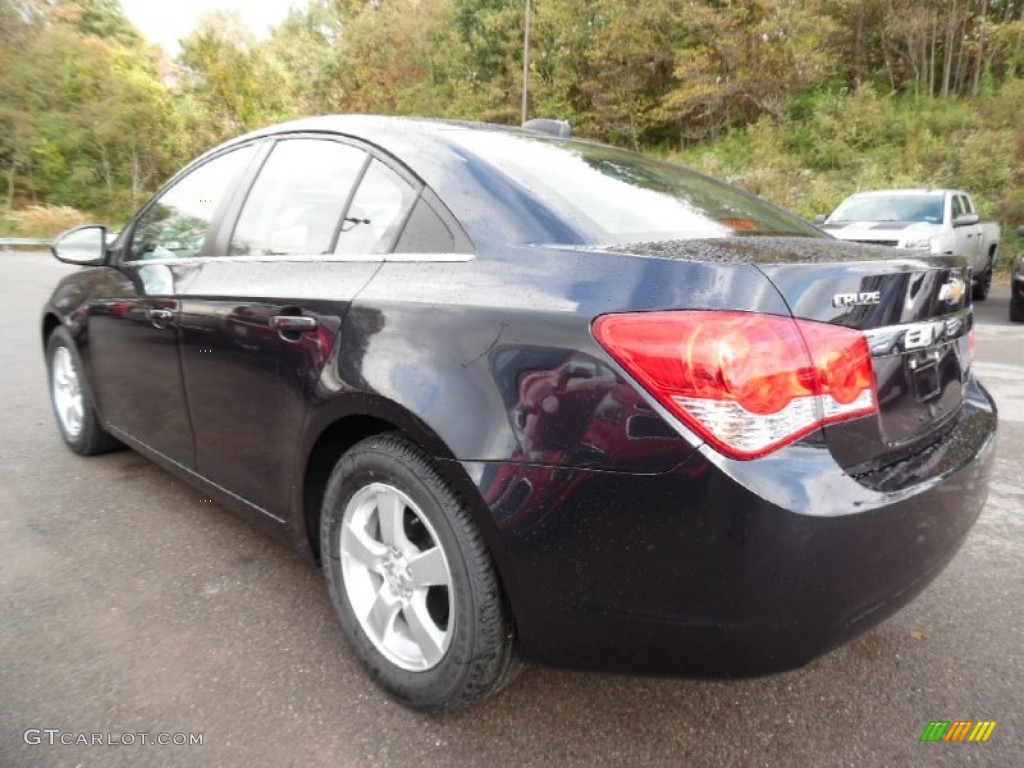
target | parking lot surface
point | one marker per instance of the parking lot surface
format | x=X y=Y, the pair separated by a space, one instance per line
x=129 y=606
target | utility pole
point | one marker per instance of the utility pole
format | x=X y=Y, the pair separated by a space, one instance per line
x=526 y=58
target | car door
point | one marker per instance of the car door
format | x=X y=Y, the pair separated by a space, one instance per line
x=260 y=322
x=133 y=331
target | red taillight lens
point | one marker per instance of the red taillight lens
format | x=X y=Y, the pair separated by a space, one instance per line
x=746 y=383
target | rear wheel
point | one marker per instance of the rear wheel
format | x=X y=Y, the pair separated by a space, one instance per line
x=71 y=399
x=983 y=284
x=411 y=580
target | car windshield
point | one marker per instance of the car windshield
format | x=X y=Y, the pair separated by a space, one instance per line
x=620 y=196
x=925 y=207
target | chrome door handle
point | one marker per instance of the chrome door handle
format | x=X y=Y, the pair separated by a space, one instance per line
x=293 y=324
x=160 y=318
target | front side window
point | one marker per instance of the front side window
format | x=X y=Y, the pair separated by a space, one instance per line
x=295 y=205
x=177 y=224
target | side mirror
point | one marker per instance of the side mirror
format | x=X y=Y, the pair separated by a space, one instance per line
x=821 y=218
x=83 y=246
x=1020 y=231
x=966 y=219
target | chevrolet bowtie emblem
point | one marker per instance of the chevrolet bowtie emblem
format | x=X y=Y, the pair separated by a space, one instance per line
x=953 y=291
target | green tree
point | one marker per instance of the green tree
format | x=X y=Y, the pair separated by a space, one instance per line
x=232 y=83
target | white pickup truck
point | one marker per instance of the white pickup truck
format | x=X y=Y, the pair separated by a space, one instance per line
x=930 y=220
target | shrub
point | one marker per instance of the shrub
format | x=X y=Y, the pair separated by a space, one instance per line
x=45 y=220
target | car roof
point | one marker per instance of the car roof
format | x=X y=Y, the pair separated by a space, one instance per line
x=479 y=195
x=377 y=129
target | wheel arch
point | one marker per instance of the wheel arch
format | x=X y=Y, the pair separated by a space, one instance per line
x=334 y=430
x=50 y=323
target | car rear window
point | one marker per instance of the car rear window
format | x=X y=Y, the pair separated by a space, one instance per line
x=622 y=196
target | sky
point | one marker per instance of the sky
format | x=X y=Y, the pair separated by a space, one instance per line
x=167 y=21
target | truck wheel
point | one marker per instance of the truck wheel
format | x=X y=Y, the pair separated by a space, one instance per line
x=981 y=287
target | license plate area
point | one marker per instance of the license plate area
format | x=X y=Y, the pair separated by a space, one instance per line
x=917 y=391
x=926 y=379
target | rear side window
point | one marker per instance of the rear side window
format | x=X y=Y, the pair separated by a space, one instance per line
x=377 y=213
x=425 y=232
x=295 y=205
x=177 y=224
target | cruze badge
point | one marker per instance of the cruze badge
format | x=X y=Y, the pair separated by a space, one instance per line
x=953 y=291
x=862 y=299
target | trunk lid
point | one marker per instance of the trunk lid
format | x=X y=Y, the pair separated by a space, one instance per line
x=917 y=317
x=915 y=310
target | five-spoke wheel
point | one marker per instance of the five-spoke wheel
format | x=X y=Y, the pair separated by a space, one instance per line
x=72 y=403
x=67 y=392
x=396 y=577
x=411 y=580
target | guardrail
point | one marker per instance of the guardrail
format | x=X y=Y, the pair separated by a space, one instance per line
x=23 y=242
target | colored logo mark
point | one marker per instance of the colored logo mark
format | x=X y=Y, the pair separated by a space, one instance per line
x=958 y=730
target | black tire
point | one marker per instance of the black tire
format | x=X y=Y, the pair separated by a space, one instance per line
x=90 y=438
x=480 y=653
x=1016 y=310
x=982 y=286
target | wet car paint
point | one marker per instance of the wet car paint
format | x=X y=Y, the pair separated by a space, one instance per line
x=621 y=540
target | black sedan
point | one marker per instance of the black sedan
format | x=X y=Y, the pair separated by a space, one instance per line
x=523 y=396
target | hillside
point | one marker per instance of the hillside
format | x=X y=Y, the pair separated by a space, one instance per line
x=831 y=143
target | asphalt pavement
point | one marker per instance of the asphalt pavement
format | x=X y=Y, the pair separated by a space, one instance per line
x=129 y=606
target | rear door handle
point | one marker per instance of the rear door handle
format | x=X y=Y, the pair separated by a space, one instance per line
x=291 y=324
x=160 y=318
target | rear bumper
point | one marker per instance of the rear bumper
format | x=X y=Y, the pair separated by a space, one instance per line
x=727 y=568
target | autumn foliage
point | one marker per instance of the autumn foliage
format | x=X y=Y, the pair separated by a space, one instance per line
x=801 y=100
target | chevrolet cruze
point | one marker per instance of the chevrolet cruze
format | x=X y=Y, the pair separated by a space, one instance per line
x=523 y=396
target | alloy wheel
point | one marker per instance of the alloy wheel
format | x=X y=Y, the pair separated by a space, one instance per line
x=67 y=393
x=397 y=577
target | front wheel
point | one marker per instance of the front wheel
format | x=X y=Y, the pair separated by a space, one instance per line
x=411 y=581
x=71 y=399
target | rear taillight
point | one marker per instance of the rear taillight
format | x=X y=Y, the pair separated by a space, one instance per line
x=746 y=383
